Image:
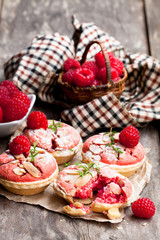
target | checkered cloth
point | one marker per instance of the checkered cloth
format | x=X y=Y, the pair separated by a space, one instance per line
x=35 y=70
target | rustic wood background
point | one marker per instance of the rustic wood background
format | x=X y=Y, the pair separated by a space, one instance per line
x=136 y=24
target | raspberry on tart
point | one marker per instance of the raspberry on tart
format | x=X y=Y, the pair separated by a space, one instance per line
x=27 y=175
x=59 y=139
x=99 y=186
x=19 y=145
x=106 y=148
x=37 y=120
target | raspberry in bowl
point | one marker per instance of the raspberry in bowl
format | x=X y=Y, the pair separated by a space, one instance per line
x=15 y=106
x=103 y=188
x=26 y=170
x=58 y=138
x=120 y=151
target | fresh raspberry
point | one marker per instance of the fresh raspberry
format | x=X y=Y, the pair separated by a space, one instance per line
x=83 y=77
x=10 y=86
x=99 y=57
x=143 y=208
x=4 y=96
x=102 y=75
x=1 y=115
x=23 y=97
x=92 y=66
x=68 y=77
x=95 y=82
x=114 y=75
x=16 y=110
x=71 y=63
x=37 y=120
x=117 y=64
x=129 y=137
x=19 y=145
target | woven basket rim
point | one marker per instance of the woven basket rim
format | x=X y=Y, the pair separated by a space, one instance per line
x=93 y=87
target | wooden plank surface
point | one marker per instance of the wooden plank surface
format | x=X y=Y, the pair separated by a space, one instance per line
x=21 y=21
x=152 y=14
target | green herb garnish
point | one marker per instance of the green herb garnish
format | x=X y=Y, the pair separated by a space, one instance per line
x=55 y=126
x=86 y=169
x=66 y=164
x=33 y=153
x=111 y=144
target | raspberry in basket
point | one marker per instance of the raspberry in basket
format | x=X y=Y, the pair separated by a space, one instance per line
x=92 y=66
x=143 y=208
x=99 y=57
x=83 y=77
x=129 y=137
x=20 y=144
x=118 y=66
x=37 y=120
x=71 y=63
x=68 y=77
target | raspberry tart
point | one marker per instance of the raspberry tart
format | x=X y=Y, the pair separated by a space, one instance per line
x=120 y=151
x=58 y=138
x=26 y=170
x=101 y=187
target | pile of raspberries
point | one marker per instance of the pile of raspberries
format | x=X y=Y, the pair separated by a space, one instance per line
x=91 y=72
x=14 y=104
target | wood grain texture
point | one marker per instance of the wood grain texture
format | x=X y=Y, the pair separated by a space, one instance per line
x=152 y=13
x=21 y=21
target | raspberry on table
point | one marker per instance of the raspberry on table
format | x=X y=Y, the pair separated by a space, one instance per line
x=37 y=120
x=83 y=77
x=4 y=96
x=71 y=63
x=1 y=115
x=92 y=66
x=16 y=110
x=129 y=137
x=68 y=77
x=143 y=208
x=10 y=86
x=19 y=145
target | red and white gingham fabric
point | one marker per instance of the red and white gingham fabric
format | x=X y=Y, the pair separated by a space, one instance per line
x=34 y=70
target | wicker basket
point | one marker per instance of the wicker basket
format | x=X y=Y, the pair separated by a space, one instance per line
x=80 y=95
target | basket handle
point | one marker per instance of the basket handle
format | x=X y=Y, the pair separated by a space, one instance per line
x=106 y=58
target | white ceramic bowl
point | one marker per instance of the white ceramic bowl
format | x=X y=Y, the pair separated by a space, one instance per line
x=9 y=128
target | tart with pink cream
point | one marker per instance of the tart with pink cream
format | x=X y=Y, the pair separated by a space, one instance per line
x=58 y=138
x=101 y=187
x=120 y=151
x=26 y=170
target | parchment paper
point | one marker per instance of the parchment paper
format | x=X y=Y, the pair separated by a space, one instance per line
x=49 y=200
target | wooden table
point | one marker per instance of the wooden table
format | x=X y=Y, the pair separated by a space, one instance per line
x=136 y=25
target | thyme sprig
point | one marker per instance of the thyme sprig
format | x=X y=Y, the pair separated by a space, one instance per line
x=33 y=153
x=86 y=168
x=67 y=164
x=54 y=126
x=111 y=144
